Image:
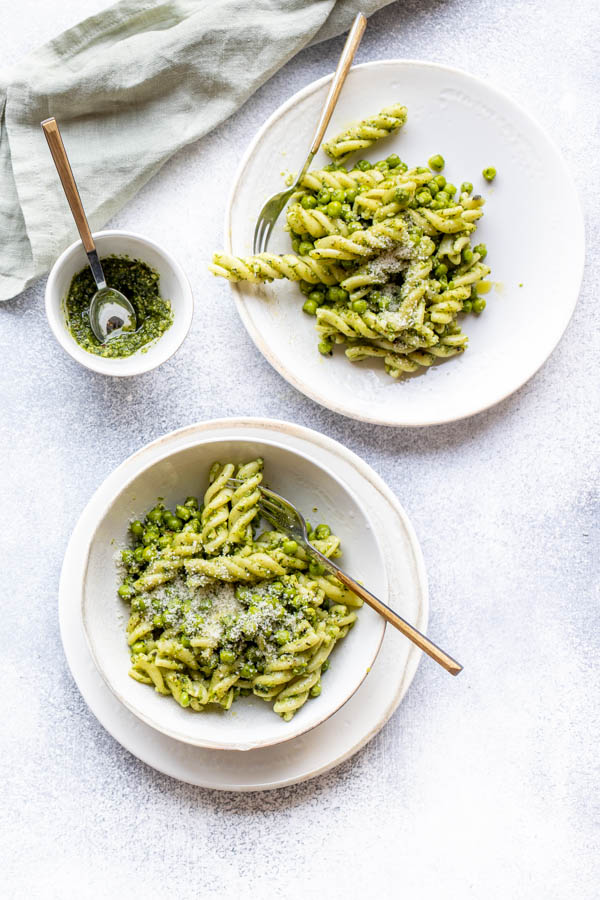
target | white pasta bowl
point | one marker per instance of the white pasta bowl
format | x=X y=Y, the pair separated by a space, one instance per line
x=174 y=286
x=251 y=722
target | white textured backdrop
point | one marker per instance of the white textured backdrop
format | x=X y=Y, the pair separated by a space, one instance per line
x=481 y=787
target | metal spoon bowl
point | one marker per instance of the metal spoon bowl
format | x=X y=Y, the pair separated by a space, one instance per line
x=111 y=313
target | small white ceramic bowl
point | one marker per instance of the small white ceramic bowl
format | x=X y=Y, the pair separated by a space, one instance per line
x=250 y=723
x=174 y=286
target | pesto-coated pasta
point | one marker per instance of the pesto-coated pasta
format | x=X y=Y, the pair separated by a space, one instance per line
x=361 y=135
x=384 y=254
x=218 y=610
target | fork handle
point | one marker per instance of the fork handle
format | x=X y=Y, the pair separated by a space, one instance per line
x=343 y=67
x=428 y=647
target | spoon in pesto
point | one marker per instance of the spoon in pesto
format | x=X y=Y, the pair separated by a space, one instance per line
x=111 y=313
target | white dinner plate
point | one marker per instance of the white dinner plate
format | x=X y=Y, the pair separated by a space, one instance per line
x=343 y=733
x=533 y=227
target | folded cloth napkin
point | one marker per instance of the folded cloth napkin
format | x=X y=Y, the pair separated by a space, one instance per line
x=129 y=87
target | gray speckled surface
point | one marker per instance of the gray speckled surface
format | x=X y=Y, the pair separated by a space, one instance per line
x=481 y=787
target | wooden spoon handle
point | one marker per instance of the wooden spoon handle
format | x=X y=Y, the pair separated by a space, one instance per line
x=343 y=67
x=63 y=167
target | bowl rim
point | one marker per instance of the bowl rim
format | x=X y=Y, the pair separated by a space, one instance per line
x=105 y=366
x=148 y=720
x=257 y=335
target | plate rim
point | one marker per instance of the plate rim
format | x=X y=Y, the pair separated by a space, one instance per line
x=239 y=746
x=84 y=671
x=256 y=334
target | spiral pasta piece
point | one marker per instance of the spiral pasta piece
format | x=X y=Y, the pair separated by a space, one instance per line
x=215 y=514
x=364 y=133
x=361 y=244
x=244 y=502
x=295 y=694
x=254 y=567
x=337 y=180
x=314 y=222
x=268 y=267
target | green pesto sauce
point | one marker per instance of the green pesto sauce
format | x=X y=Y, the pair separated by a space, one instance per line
x=139 y=282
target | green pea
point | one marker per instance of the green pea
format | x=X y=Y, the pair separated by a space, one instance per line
x=149 y=554
x=322 y=207
x=337 y=295
x=289 y=548
x=393 y=160
x=139 y=647
x=315 y=690
x=325 y=348
x=282 y=636
x=126 y=591
x=466 y=187
x=227 y=656
x=440 y=181
x=155 y=515
x=322 y=532
x=184 y=699
x=481 y=249
x=136 y=528
x=432 y=187
x=191 y=502
x=150 y=535
x=489 y=173
x=442 y=269
x=138 y=604
x=467 y=306
x=325 y=665
x=194 y=525
x=324 y=195
x=338 y=195
x=305 y=248
x=317 y=297
x=467 y=256
x=364 y=165
x=351 y=196
x=315 y=569
x=127 y=557
x=443 y=198
x=308 y=202
x=310 y=307
x=402 y=195
x=381 y=165
x=424 y=198
x=334 y=209
x=451 y=285
x=248 y=670
x=478 y=305
x=305 y=286
x=360 y=306
x=295 y=245
x=158 y=621
x=443 y=281
x=173 y=523
x=436 y=162
x=450 y=189
x=164 y=541
x=421 y=170
x=183 y=512
x=137 y=553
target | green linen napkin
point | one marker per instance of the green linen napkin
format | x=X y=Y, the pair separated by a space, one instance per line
x=129 y=87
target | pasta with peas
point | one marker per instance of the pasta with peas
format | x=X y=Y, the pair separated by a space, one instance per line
x=384 y=254
x=219 y=609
